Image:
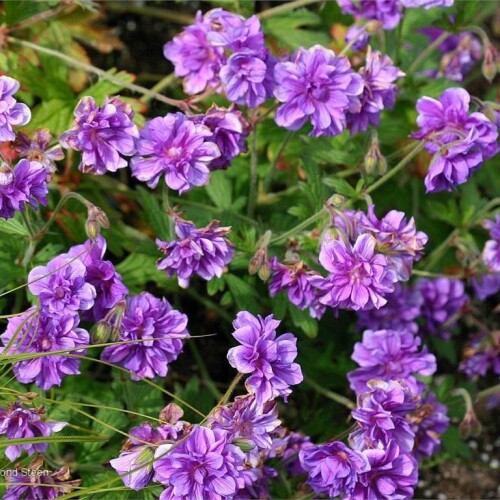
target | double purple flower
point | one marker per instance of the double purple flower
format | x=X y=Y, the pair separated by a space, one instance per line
x=12 y=113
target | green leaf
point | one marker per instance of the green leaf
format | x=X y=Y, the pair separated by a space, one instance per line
x=104 y=88
x=454 y=445
x=154 y=214
x=245 y=296
x=220 y=190
x=16 y=11
x=13 y=227
x=303 y=320
x=138 y=269
x=341 y=186
x=55 y=114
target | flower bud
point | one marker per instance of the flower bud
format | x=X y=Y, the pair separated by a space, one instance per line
x=171 y=414
x=245 y=445
x=96 y=219
x=101 y=333
x=374 y=162
x=336 y=201
x=470 y=425
x=259 y=260
x=489 y=66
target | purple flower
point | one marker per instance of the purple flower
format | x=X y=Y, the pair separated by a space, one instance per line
x=390 y=355
x=205 y=465
x=379 y=91
x=12 y=113
x=103 y=134
x=358 y=32
x=204 y=252
x=333 y=468
x=392 y=475
x=154 y=333
x=17 y=422
x=481 y=353
x=486 y=285
x=400 y=313
x=177 y=148
x=230 y=131
x=247 y=420
x=429 y=421
x=287 y=446
x=319 y=86
x=459 y=53
x=267 y=358
x=381 y=416
x=296 y=280
x=39 y=484
x=26 y=183
x=388 y=12
x=247 y=78
x=38 y=149
x=101 y=274
x=491 y=251
x=426 y=4
x=459 y=141
x=135 y=463
x=359 y=277
x=397 y=238
x=37 y=334
x=194 y=57
x=443 y=300
x=61 y=286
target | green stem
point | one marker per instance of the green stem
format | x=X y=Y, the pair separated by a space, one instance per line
x=283 y=145
x=361 y=32
x=437 y=254
x=428 y=51
x=209 y=304
x=41 y=16
x=164 y=83
x=89 y=68
x=427 y=274
x=157 y=12
x=338 y=398
x=252 y=193
x=488 y=392
x=207 y=380
x=281 y=9
x=299 y=227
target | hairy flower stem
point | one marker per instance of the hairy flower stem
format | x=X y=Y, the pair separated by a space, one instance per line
x=323 y=212
x=422 y=57
x=486 y=393
x=280 y=9
x=89 y=68
x=338 y=398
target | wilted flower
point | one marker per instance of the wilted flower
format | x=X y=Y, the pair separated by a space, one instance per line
x=37 y=149
x=203 y=252
x=316 y=85
x=103 y=134
x=12 y=113
x=17 y=422
x=176 y=148
x=26 y=183
x=390 y=355
x=268 y=359
x=153 y=335
x=36 y=334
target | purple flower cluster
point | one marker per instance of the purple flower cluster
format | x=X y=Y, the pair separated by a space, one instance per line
x=297 y=281
x=365 y=257
x=12 y=113
x=481 y=354
x=268 y=359
x=390 y=355
x=222 y=50
x=103 y=134
x=151 y=337
x=316 y=85
x=204 y=252
x=459 y=142
x=17 y=422
x=39 y=334
x=379 y=91
x=459 y=54
x=26 y=183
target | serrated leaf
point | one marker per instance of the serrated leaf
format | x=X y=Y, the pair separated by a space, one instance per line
x=104 y=88
x=13 y=227
x=139 y=269
x=244 y=295
x=220 y=190
x=55 y=114
x=154 y=214
x=303 y=320
x=341 y=186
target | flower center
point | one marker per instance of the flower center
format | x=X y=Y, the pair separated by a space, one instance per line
x=59 y=292
x=6 y=176
x=45 y=344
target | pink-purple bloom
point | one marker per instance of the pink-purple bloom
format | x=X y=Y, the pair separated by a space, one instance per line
x=204 y=465
x=318 y=86
x=175 y=147
x=491 y=251
x=12 y=113
x=443 y=301
x=230 y=131
x=18 y=422
x=379 y=91
x=102 y=275
x=360 y=277
x=481 y=354
x=38 y=149
x=39 y=335
x=203 y=252
x=21 y=185
x=459 y=142
x=104 y=135
x=268 y=359
x=152 y=333
x=333 y=468
x=388 y=12
x=61 y=286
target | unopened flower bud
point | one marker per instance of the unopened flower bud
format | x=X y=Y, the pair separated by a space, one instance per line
x=264 y=271
x=373 y=26
x=470 y=425
x=336 y=201
x=101 y=332
x=489 y=66
x=245 y=445
x=258 y=261
x=374 y=162
x=171 y=414
x=96 y=219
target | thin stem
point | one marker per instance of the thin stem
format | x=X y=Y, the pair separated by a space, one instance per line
x=299 y=227
x=204 y=372
x=281 y=9
x=209 y=304
x=437 y=254
x=89 y=68
x=157 y=12
x=41 y=16
x=338 y=398
x=428 y=51
x=252 y=193
x=485 y=393
x=165 y=82
x=427 y=274
x=283 y=145
x=348 y=47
